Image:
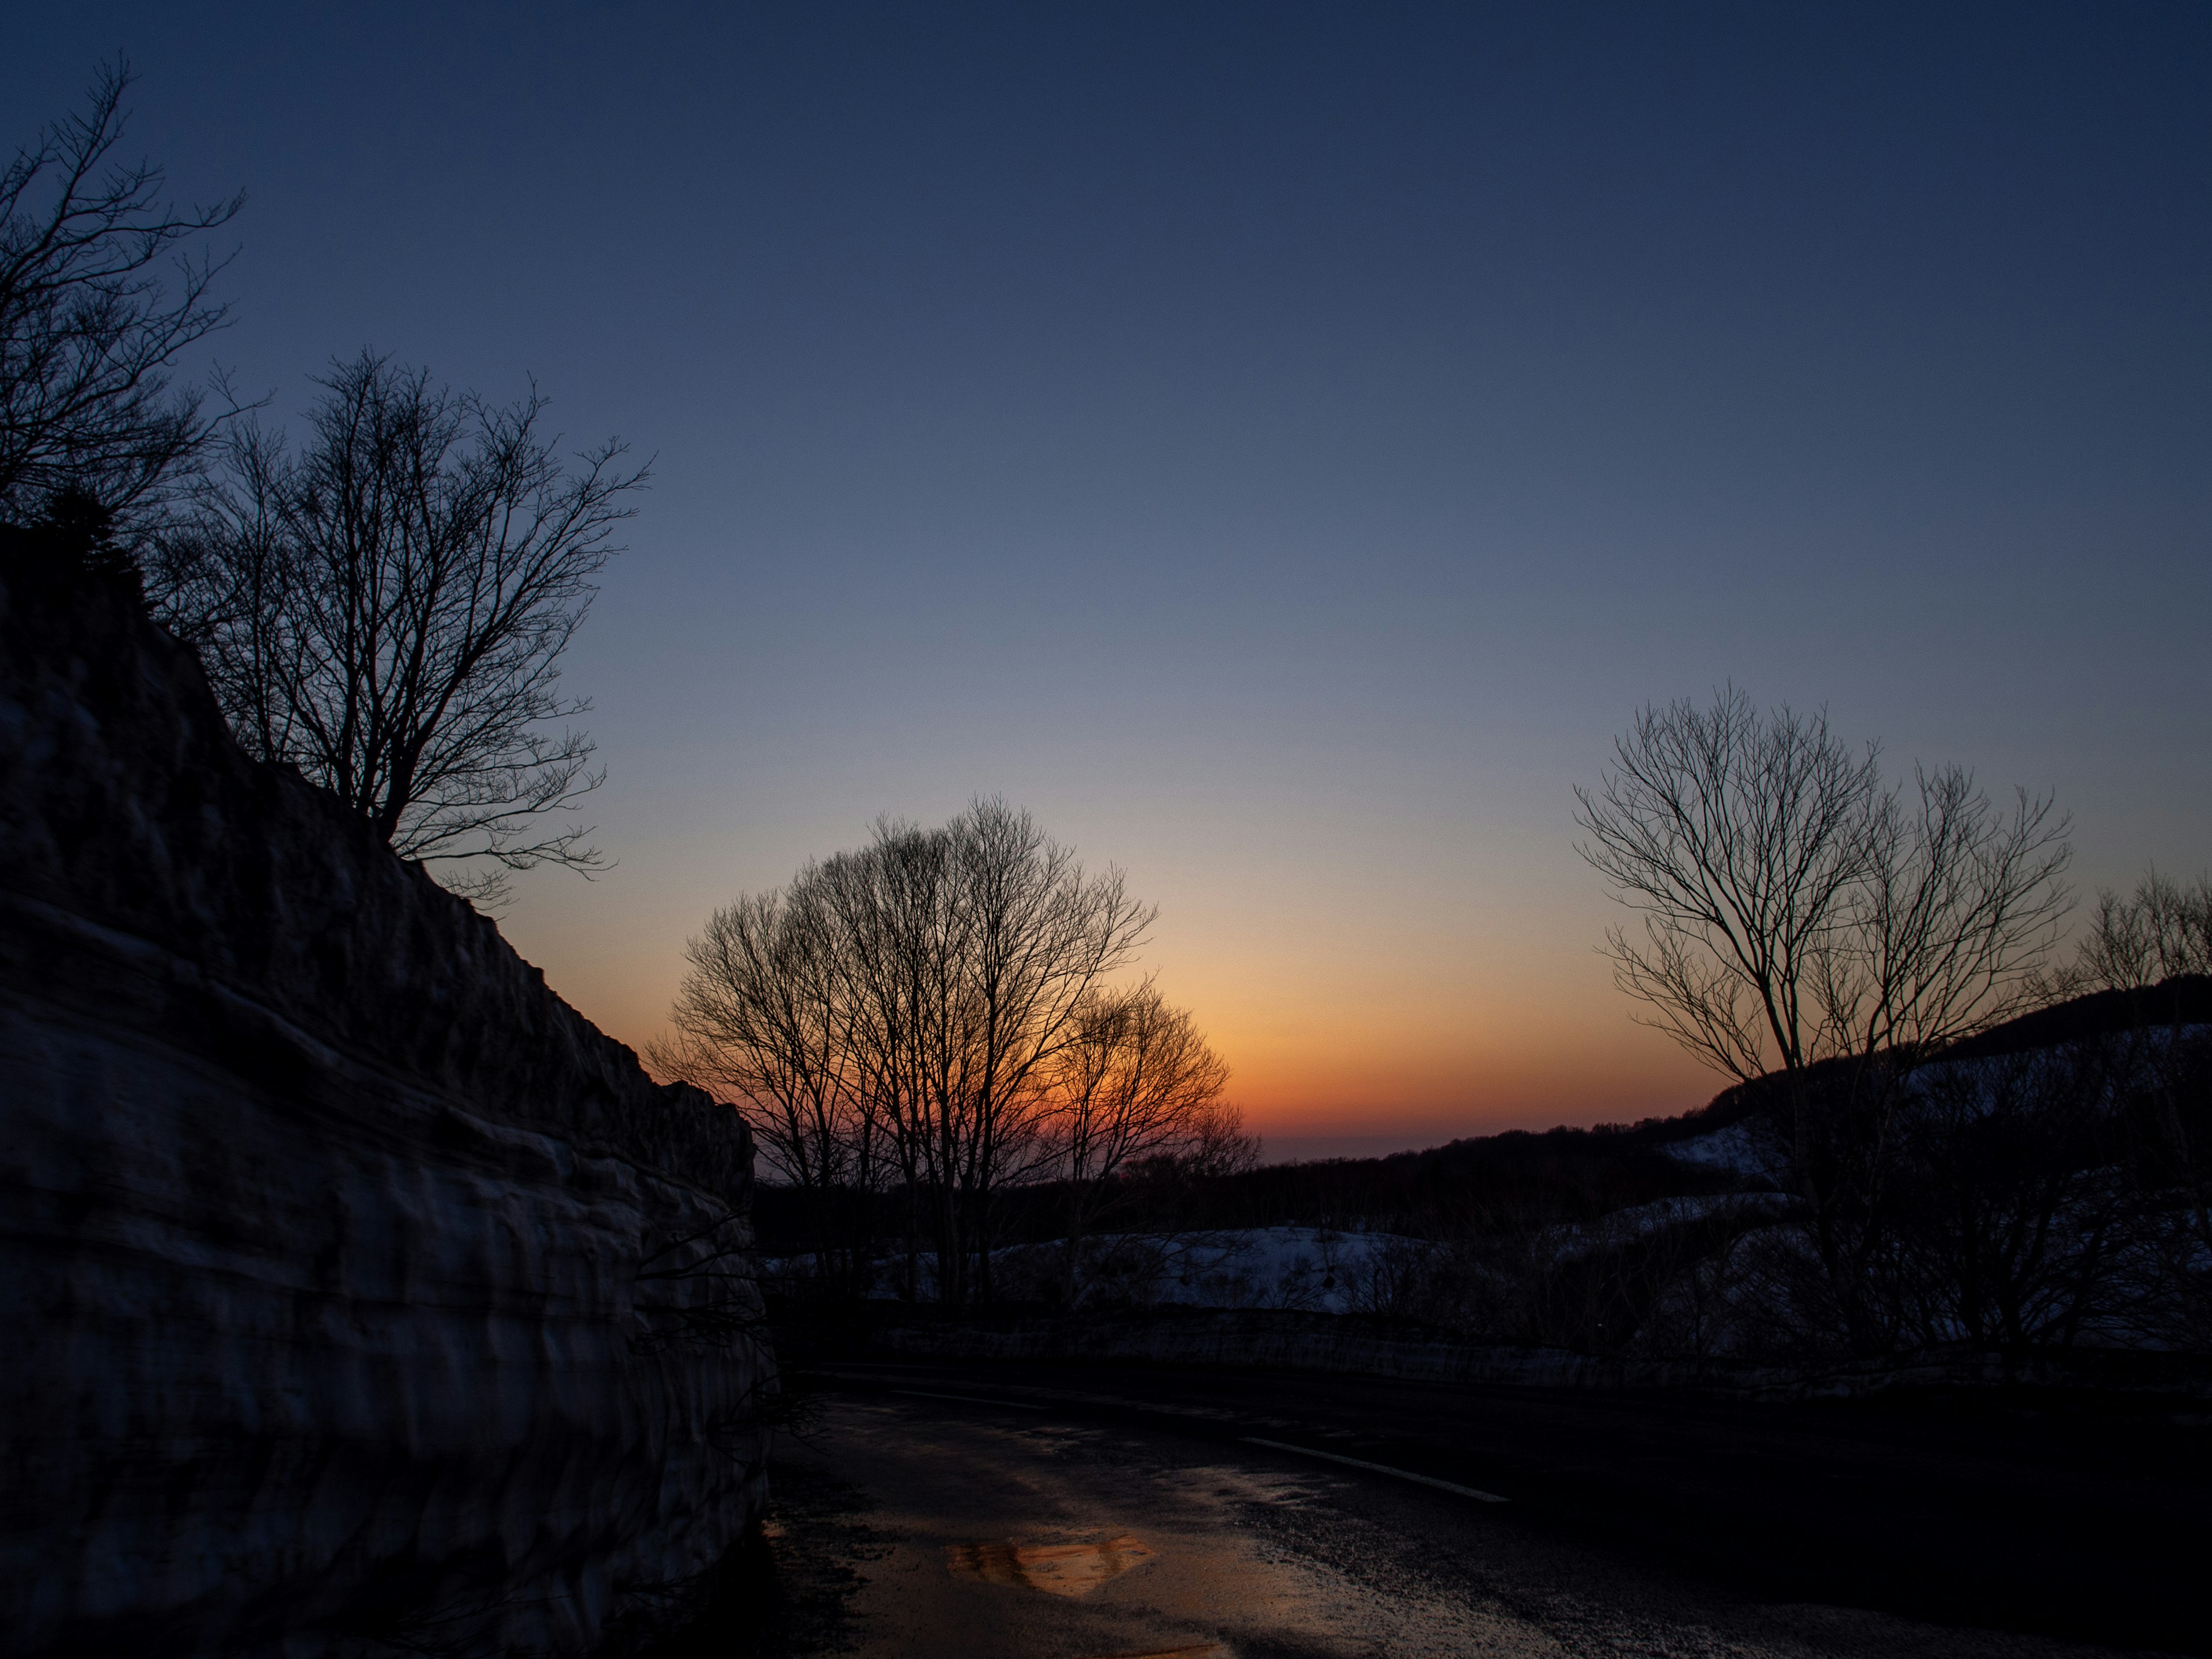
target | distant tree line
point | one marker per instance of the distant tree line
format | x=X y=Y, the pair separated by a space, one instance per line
x=916 y=1026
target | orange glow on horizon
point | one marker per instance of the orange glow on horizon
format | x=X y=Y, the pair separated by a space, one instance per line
x=1425 y=1025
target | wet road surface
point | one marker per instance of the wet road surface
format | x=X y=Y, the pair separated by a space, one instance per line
x=990 y=1511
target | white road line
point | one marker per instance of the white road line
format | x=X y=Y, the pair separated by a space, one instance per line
x=972 y=1399
x=1380 y=1468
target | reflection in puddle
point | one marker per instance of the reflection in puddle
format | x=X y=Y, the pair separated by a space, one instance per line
x=1059 y=1569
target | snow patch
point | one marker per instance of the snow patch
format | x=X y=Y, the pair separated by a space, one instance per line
x=1746 y=1148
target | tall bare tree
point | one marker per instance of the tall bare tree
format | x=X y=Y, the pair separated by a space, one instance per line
x=943 y=975
x=1796 y=907
x=1741 y=839
x=386 y=609
x=1813 y=930
x=1044 y=937
x=900 y=948
x=103 y=282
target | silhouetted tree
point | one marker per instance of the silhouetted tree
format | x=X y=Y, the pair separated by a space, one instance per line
x=385 y=609
x=1812 y=929
x=1041 y=938
x=89 y=327
x=917 y=994
x=2161 y=931
x=1796 y=909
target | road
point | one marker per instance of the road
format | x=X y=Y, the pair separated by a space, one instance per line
x=1068 y=1513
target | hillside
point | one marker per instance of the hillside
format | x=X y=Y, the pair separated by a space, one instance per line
x=2041 y=1185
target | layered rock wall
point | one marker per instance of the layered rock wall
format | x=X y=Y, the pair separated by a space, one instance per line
x=358 y=1294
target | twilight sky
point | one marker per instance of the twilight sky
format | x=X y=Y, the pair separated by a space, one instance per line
x=1278 y=445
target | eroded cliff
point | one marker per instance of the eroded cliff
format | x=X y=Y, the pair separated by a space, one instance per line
x=357 y=1293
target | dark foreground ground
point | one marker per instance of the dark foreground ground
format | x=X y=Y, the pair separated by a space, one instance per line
x=1061 y=1513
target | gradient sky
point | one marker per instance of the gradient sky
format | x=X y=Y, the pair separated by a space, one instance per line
x=1279 y=446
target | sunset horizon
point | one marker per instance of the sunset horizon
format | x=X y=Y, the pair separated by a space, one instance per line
x=954 y=830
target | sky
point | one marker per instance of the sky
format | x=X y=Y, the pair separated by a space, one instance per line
x=1279 y=446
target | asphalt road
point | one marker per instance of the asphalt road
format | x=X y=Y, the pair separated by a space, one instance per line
x=1061 y=1513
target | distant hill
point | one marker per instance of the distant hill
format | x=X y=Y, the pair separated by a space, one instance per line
x=1561 y=1175
x=2185 y=1000
x=1574 y=1174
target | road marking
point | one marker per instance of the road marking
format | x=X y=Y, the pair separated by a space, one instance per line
x=1379 y=1469
x=972 y=1399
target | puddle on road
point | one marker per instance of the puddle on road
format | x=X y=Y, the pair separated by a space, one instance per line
x=1056 y=1568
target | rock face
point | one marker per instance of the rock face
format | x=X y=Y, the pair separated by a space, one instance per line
x=356 y=1294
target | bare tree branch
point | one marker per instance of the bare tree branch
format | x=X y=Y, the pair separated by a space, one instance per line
x=1741 y=839
x=386 y=609
x=2161 y=931
x=1813 y=931
x=90 y=325
x=909 y=1013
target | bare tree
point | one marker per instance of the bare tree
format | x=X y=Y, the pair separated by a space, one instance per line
x=1043 y=937
x=1741 y=838
x=1135 y=1081
x=1796 y=908
x=386 y=608
x=2162 y=930
x=901 y=944
x=1955 y=908
x=89 y=327
x=901 y=1010
x=1810 y=930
